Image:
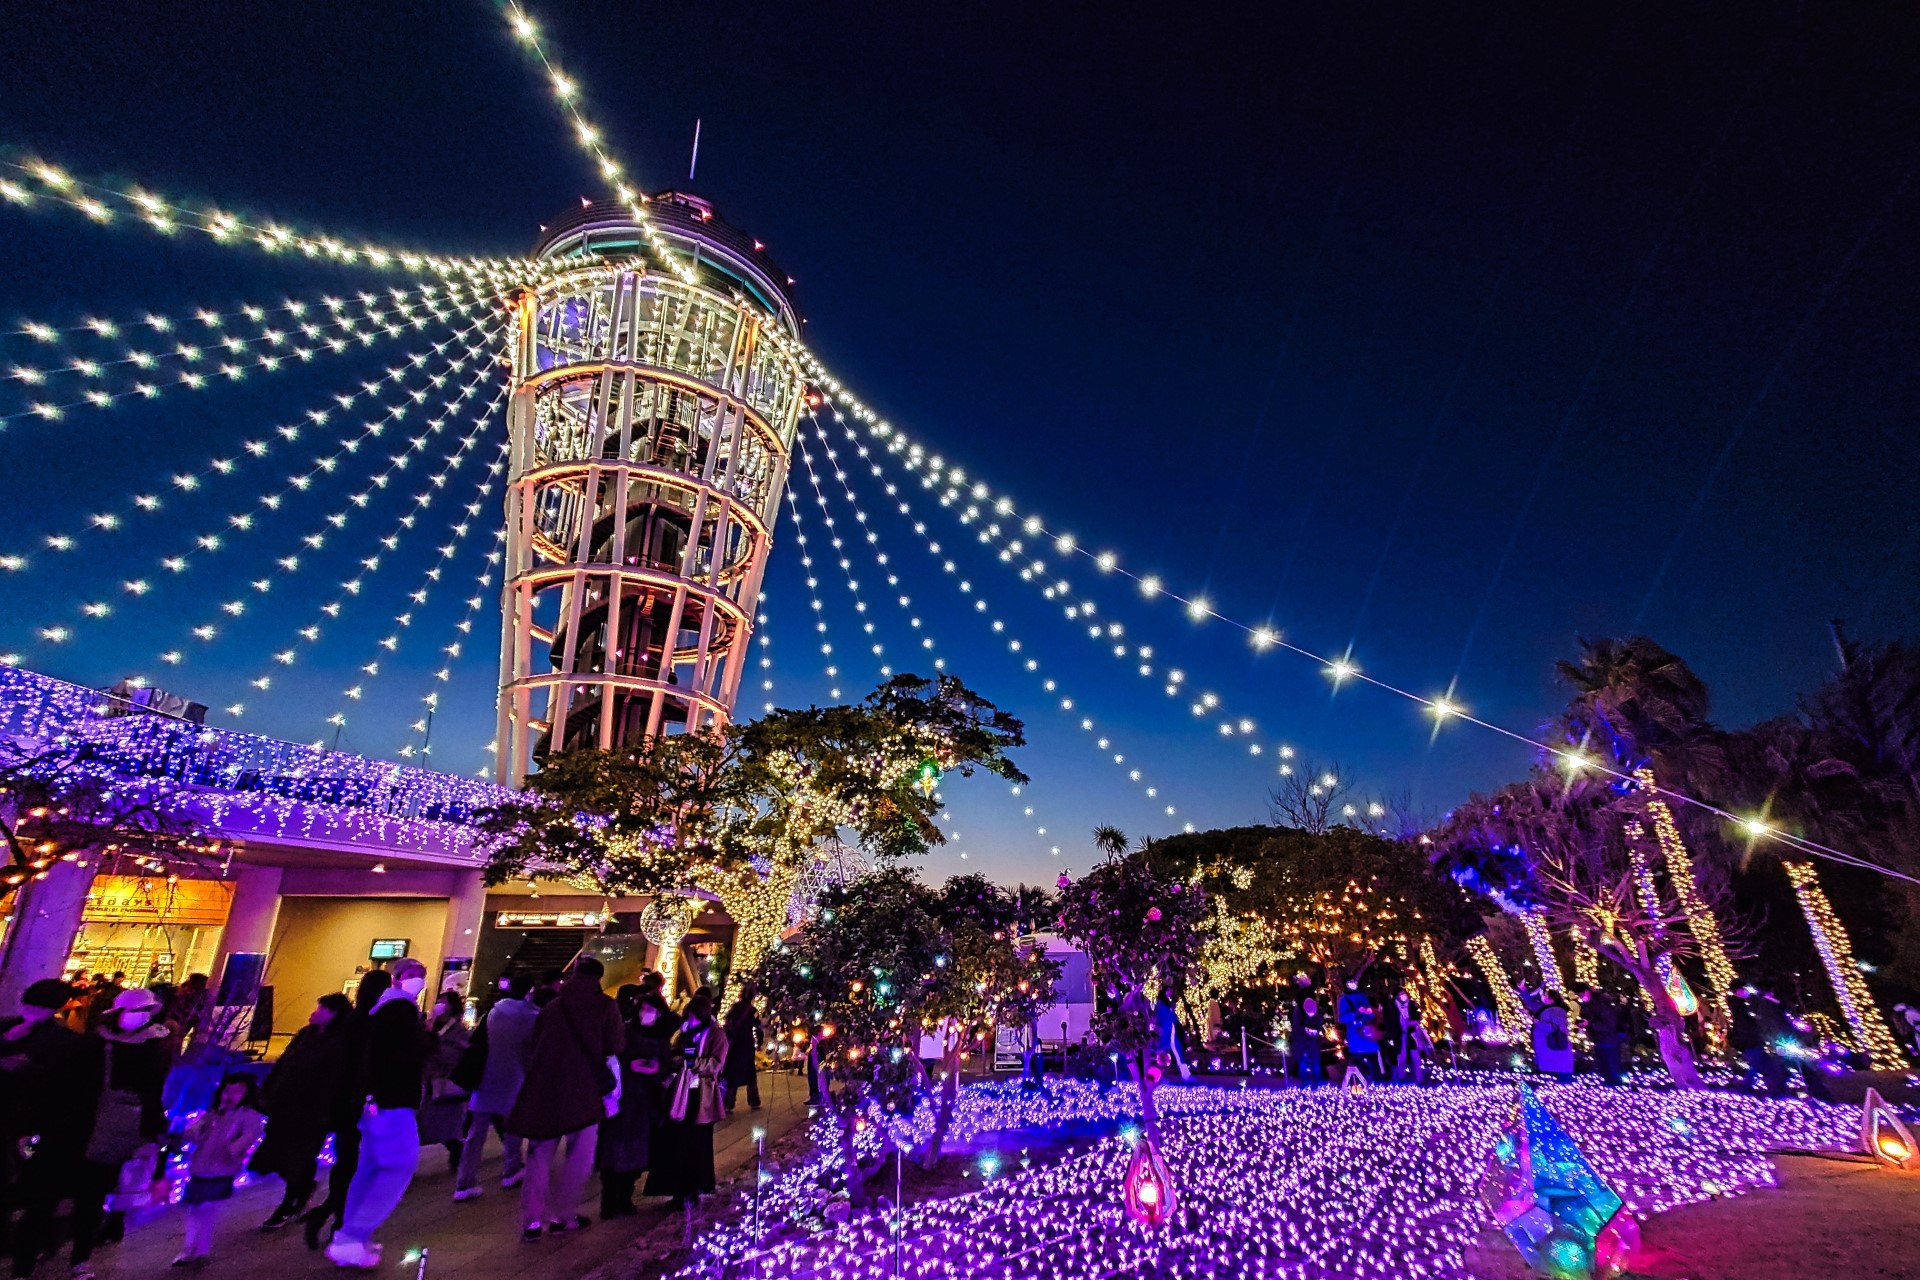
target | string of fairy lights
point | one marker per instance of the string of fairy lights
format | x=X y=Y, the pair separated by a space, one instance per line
x=883 y=564
x=590 y=139
x=1444 y=708
x=393 y=323
x=1015 y=645
x=39 y=182
x=206 y=333
x=221 y=355
x=463 y=524
x=403 y=526
x=260 y=447
x=928 y=643
x=1028 y=565
x=488 y=577
x=829 y=665
x=212 y=542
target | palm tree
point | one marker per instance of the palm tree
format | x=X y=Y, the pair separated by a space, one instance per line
x=1643 y=705
x=1110 y=840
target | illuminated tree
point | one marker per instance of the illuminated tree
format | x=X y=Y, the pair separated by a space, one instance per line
x=1140 y=926
x=1339 y=899
x=855 y=983
x=740 y=810
x=1565 y=847
x=629 y=820
x=1002 y=978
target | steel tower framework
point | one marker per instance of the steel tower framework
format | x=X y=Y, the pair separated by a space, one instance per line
x=650 y=423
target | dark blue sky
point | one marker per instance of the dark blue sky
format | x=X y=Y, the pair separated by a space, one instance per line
x=1450 y=335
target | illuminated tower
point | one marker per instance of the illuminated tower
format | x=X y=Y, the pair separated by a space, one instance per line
x=651 y=422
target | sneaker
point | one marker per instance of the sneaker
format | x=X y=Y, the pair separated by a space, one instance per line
x=352 y=1253
x=313 y=1224
x=186 y=1259
x=530 y=1235
x=282 y=1216
x=579 y=1222
x=467 y=1193
x=513 y=1179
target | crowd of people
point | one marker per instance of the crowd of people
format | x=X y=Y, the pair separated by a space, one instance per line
x=573 y=1081
x=1593 y=1027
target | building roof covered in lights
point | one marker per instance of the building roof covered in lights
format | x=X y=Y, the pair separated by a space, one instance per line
x=606 y=228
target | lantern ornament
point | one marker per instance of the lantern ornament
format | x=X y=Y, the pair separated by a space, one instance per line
x=1149 y=1185
x=1676 y=985
x=1884 y=1136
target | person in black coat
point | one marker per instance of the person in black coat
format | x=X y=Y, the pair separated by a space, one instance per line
x=625 y=1149
x=347 y=1105
x=1306 y=1022
x=54 y=1078
x=743 y=1042
x=302 y=1098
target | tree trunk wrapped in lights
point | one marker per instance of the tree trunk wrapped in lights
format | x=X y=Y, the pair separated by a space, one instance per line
x=1586 y=962
x=1701 y=922
x=1836 y=953
x=1535 y=921
x=1513 y=1015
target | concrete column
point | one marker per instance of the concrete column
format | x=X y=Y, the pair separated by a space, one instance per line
x=250 y=917
x=46 y=918
x=466 y=908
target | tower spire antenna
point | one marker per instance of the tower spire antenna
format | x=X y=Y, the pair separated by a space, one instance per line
x=695 y=162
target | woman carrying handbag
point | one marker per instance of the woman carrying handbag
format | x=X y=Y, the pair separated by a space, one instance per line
x=682 y=1150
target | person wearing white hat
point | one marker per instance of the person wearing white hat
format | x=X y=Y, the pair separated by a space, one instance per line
x=136 y=1052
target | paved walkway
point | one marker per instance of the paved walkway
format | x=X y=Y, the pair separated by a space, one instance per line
x=477 y=1240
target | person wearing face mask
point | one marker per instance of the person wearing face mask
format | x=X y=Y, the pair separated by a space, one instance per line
x=625 y=1138
x=135 y=1053
x=52 y=1076
x=397 y=1047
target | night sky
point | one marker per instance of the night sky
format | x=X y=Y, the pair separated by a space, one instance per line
x=1444 y=334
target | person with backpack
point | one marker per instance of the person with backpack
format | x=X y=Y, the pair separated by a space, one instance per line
x=1552 y=1043
x=493 y=1069
x=301 y=1099
x=394 y=1077
x=222 y=1135
x=572 y=1084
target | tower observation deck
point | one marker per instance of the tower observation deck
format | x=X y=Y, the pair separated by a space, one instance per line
x=650 y=423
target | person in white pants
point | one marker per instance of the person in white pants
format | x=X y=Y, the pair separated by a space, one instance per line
x=572 y=1077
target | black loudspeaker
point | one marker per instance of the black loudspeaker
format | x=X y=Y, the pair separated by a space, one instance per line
x=260 y=1027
